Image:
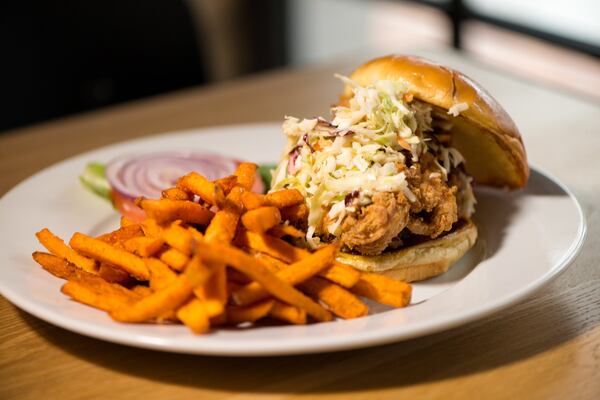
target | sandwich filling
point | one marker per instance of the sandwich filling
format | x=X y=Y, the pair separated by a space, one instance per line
x=378 y=174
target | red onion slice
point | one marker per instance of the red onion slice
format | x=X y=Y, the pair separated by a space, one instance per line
x=148 y=174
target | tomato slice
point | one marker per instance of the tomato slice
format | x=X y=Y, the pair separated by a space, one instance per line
x=127 y=207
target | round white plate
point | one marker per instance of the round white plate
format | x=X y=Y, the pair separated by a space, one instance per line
x=525 y=239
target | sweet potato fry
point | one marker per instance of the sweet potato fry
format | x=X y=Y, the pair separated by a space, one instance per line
x=144 y=246
x=227 y=183
x=199 y=275
x=222 y=229
x=217 y=284
x=261 y=219
x=270 y=245
x=282 y=230
x=166 y=210
x=273 y=264
x=293 y=275
x=210 y=289
x=61 y=268
x=193 y=314
x=113 y=274
x=179 y=238
x=176 y=193
x=158 y=303
x=246 y=173
x=296 y=215
x=174 y=259
x=160 y=273
x=197 y=272
x=224 y=225
x=108 y=253
x=150 y=228
x=284 y=198
x=198 y=185
x=102 y=286
x=337 y=299
x=170 y=297
x=253 y=200
x=86 y=294
x=234 y=199
x=254 y=269
x=287 y=313
x=240 y=314
x=383 y=290
x=339 y=273
x=213 y=308
x=219 y=197
x=281 y=199
x=57 y=266
x=121 y=235
x=342 y=274
x=196 y=234
x=321 y=290
x=214 y=292
x=56 y=246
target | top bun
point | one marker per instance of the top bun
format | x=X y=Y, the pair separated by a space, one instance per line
x=484 y=133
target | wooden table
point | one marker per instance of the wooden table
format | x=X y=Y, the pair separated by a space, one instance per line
x=548 y=346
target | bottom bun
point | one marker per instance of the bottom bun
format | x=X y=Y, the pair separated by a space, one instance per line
x=421 y=261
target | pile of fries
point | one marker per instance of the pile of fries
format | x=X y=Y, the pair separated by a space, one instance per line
x=212 y=253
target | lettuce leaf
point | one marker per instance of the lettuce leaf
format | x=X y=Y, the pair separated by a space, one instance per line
x=93 y=178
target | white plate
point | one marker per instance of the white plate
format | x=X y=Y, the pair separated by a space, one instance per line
x=525 y=239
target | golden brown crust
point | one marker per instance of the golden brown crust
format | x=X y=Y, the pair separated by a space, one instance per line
x=421 y=261
x=484 y=133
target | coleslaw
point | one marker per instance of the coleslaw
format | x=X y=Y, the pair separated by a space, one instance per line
x=339 y=164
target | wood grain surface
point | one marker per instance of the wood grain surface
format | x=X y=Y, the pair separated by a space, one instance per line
x=545 y=347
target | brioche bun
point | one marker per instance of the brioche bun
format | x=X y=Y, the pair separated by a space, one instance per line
x=421 y=261
x=484 y=133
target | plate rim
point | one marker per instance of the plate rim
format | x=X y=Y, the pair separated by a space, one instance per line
x=365 y=340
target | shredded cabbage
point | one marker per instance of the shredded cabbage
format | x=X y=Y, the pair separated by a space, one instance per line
x=360 y=150
x=457 y=108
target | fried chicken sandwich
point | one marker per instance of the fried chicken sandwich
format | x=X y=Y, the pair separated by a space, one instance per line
x=390 y=175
